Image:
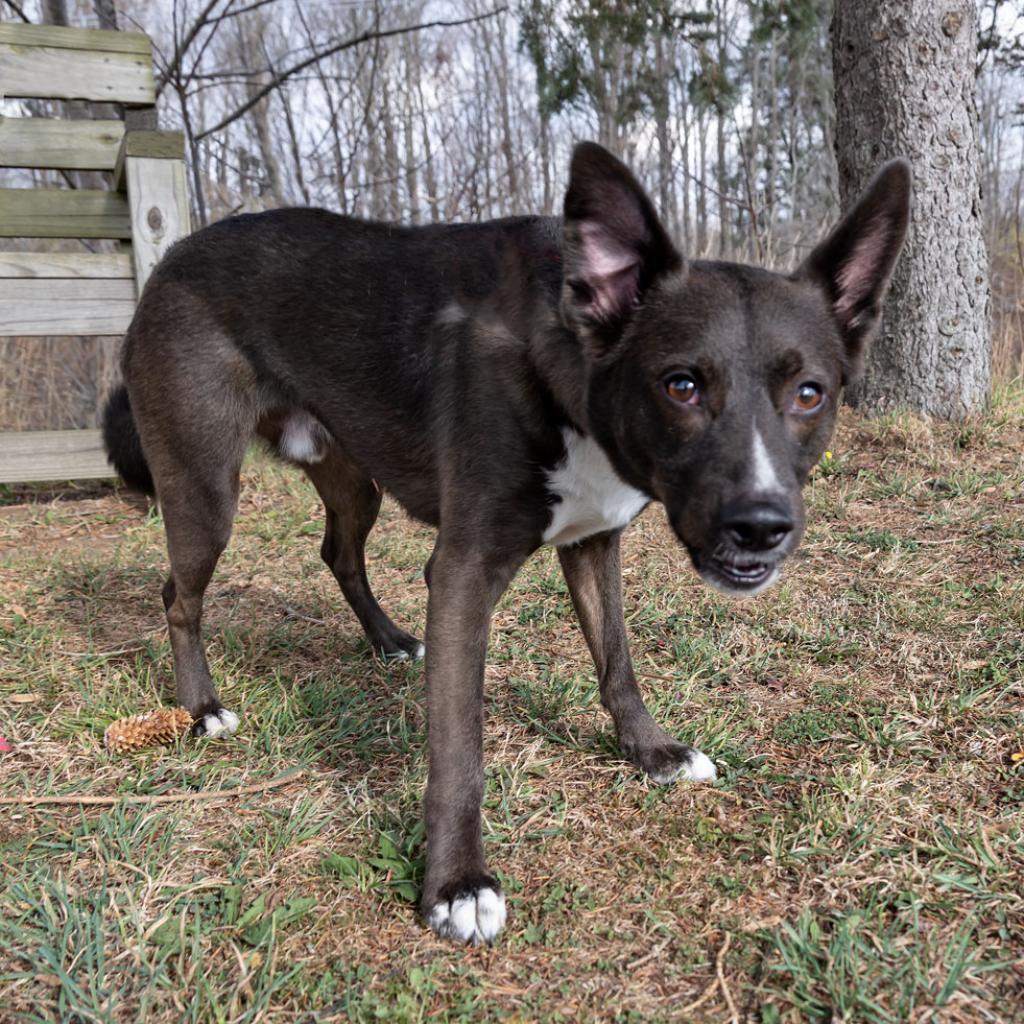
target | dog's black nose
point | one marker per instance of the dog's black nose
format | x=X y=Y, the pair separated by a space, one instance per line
x=758 y=526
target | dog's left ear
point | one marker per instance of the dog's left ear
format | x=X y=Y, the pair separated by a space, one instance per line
x=854 y=264
x=614 y=246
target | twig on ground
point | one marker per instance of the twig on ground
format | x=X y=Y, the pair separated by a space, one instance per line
x=648 y=956
x=717 y=981
x=734 y=1015
x=163 y=798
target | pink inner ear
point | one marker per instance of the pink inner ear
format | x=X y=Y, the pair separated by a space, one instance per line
x=609 y=267
x=860 y=275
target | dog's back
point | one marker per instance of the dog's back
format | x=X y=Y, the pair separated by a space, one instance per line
x=304 y=326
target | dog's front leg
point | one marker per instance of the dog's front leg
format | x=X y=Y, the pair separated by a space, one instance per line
x=461 y=899
x=592 y=570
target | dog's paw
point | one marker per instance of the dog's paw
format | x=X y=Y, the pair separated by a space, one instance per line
x=405 y=648
x=413 y=653
x=668 y=763
x=474 y=916
x=216 y=723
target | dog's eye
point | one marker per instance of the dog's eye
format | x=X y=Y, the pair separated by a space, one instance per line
x=683 y=389
x=808 y=398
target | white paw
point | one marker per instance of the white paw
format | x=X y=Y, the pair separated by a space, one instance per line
x=221 y=723
x=700 y=769
x=473 y=919
x=404 y=655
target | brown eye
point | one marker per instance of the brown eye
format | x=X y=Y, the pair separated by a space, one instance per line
x=683 y=389
x=808 y=398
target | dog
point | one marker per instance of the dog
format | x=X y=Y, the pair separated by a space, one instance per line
x=515 y=383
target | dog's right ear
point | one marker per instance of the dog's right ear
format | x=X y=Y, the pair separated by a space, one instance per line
x=614 y=246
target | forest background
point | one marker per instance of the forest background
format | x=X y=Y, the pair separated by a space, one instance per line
x=439 y=111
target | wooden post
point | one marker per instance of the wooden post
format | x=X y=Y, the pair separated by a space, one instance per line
x=151 y=169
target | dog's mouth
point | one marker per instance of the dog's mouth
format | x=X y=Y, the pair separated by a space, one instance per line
x=737 y=576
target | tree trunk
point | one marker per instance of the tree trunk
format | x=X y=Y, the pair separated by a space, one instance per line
x=702 y=185
x=904 y=76
x=545 y=161
x=685 y=177
x=106 y=14
x=666 y=183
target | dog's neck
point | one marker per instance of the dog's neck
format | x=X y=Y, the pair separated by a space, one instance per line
x=558 y=360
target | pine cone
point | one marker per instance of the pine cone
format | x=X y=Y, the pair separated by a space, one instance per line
x=154 y=727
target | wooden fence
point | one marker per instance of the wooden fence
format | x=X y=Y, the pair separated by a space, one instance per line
x=145 y=210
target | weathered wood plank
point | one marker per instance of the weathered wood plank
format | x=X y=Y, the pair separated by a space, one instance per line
x=47 y=142
x=86 y=265
x=52 y=455
x=63 y=213
x=161 y=145
x=158 y=145
x=75 y=38
x=50 y=73
x=158 y=202
x=69 y=306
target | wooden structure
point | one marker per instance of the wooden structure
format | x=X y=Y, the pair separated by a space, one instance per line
x=146 y=210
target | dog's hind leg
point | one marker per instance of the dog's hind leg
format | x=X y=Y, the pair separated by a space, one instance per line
x=593 y=571
x=198 y=509
x=351 y=503
x=194 y=443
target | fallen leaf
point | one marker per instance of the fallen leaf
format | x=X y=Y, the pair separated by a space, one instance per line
x=5 y=747
x=24 y=698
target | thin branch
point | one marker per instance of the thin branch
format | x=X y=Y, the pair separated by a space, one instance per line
x=179 y=51
x=240 y=10
x=716 y=982
x=18 y=11
x=347 y=44
x=85 y=800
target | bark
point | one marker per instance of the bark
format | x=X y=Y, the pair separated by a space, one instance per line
x=392 y=170
x=429 y=173
x=106 y=14
x=666 y=191
x=684 y=178
x=702 y=188
x=905 y=84
x=722 y=187
x=545 y=162
x=55 y=12
x=293 y=141
x=721 y=166
x=514 y=201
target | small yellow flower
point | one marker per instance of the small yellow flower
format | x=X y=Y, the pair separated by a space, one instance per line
x=828 y=456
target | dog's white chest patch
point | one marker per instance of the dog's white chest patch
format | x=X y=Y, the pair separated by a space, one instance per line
x=592 y=497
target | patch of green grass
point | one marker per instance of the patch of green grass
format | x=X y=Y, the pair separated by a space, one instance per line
x=871 y=963
x=879 y=540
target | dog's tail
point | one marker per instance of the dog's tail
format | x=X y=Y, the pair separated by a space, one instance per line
x=121 y=439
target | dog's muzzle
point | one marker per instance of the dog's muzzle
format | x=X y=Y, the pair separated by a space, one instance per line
x=754 y=538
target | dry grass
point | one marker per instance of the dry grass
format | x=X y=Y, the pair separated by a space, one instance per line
x=861 y=858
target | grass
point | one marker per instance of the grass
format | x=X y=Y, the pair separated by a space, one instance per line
x=860 y=859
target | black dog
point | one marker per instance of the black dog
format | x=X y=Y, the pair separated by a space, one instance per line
x=522 y=382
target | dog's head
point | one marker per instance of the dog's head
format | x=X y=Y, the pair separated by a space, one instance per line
x=714 y=386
